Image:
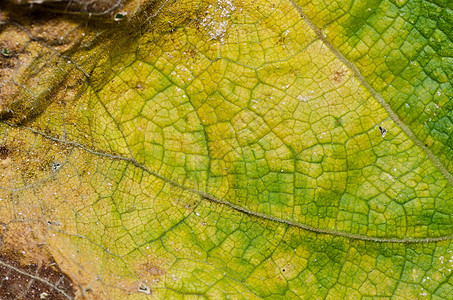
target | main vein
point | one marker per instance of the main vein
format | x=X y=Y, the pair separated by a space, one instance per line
x=238 y=208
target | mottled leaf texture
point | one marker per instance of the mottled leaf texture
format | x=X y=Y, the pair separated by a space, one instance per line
x=280 y=149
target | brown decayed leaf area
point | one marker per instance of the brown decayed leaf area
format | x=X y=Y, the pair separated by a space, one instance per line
x=35 y=46
x=26 y=271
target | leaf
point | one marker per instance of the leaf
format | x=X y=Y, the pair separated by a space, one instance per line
x=244 y=149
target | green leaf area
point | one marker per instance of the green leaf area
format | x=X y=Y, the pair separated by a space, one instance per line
x=233 y=149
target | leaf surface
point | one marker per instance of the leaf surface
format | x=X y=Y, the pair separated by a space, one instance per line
x=246 y=149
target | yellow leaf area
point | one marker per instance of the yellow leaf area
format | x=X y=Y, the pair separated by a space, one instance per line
x=223 y=149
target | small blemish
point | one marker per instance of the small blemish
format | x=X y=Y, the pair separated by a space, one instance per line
x=4 y=152
x=144 y=289
x=119 y=16
x=55 y=166
x=383 y=131
x=5 y=52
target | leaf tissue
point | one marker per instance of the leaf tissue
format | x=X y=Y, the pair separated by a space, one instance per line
x=240 y=149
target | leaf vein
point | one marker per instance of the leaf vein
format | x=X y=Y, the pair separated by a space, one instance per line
x=239 y=208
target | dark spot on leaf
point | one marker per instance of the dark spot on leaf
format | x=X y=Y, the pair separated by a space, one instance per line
x=282 y=40
x=119 y=17
x=56 y=166
x=383 y=131
x=144 y=289
x=4 y=152
x=5 y=52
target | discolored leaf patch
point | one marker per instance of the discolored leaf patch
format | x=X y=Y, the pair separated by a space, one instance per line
x=4 y=151
x=33 y=281
x=93 y=7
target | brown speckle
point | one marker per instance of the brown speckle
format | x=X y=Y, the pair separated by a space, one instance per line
x=339 y=76
x=153 y=270
x=4 y=152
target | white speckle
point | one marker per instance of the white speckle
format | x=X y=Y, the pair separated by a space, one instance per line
x=302 y=98
x=216 y=20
